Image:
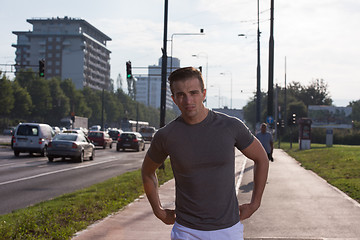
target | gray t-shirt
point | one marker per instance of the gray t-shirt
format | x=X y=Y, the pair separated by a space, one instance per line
x=265 y=139
x=202 y=158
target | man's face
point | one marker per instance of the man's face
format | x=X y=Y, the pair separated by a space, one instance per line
x=263 y=129
x=189 y=98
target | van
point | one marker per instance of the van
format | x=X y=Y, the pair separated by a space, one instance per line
x=147 y=133
x=32 y=138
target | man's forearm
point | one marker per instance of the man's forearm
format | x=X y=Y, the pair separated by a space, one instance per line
x=260 y=177
x=257 y=153
x=151 y=188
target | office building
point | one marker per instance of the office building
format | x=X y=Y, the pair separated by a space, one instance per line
x=148 y=87
x=72 y=48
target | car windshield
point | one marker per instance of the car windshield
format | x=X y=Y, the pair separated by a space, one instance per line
x=26 y=130
x=127 y=136
x=67 y=137
x=96 y=134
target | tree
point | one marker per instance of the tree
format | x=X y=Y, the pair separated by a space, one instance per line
x=60 y=102
x=315 y=93
x=69 y=90
x=41 y=99
x=23 y=103
x=355 y=115
x=298 y=99
x=25 y=77
x=93 y=100
x=6 y=96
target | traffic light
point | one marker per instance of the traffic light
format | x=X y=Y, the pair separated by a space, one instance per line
x=128 y=70
x=42 y=68
x=294 y=119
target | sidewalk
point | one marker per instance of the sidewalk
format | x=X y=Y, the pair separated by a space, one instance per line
x=297 y=205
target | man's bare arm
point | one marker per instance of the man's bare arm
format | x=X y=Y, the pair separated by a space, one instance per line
x=151 y=188
x=257 y=153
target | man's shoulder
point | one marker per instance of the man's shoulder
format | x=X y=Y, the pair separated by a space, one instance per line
x=168 y=127
x=224 y=116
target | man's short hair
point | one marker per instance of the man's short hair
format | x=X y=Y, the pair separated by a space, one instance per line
x=183 y=74
x=263 y=124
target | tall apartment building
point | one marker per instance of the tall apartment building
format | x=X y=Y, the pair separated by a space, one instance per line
x=72 y=48
x=148 y=88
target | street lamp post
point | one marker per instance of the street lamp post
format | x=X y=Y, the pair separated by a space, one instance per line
x=258 y=91
x=218 y=87
x=207 y=68
x=172 y=40
x=224 y=73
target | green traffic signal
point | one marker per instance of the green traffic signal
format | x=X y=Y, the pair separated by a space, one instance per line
x=42 y=68
x=128 y=69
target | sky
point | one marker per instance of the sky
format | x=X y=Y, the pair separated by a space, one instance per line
x=319 y=40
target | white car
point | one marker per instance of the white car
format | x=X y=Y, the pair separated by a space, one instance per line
x=32 y=138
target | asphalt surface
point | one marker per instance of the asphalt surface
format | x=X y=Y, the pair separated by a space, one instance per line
x=297 y=205
x=27 y=180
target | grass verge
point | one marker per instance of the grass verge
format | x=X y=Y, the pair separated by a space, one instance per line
x=339 y=165
x=62 y=217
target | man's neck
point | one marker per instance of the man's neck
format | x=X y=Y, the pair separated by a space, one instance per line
x=198 y=118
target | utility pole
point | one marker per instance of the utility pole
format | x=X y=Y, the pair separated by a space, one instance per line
x=271 y=64
x=258 y=90
x=285 y=116
x=164 y=69
x=102 y=110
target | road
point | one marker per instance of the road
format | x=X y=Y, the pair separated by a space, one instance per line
x=27 y=179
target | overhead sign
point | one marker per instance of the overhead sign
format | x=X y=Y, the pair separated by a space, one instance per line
x=270 y=120
x=330 y=116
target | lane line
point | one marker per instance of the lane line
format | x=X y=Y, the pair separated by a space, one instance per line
x=53 y=172
x=238 y=183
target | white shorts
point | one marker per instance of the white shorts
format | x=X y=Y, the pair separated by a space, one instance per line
x=180 y=232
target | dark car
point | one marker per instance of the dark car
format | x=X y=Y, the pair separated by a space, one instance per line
x=100 y=138
x=130 y=140
x=115 y=134
x=70 y=145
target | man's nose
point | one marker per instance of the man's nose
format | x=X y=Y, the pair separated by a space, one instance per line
x=188 y=98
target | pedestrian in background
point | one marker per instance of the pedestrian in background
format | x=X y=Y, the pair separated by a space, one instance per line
x=266 y=140
x=201 y=145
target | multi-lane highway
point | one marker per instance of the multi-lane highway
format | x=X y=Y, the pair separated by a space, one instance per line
x=26 y=180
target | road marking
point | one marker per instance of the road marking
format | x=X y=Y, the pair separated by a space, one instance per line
x=238 y=183
x=53 y=172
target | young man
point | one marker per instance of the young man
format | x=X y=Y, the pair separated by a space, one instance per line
x=201 y=145
x=266 y=140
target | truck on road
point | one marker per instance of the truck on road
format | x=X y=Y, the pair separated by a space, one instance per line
x=74 y=122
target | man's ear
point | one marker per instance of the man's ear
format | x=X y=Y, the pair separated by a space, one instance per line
x=204 y=95
x=173 y=98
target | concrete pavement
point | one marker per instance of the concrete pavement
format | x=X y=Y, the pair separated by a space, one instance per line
x=297 y=205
